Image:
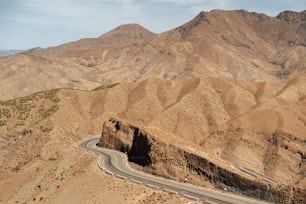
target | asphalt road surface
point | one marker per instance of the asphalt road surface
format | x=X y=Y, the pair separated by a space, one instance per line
x=116 y=164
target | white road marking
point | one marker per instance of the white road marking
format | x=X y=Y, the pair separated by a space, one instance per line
x=115 y=157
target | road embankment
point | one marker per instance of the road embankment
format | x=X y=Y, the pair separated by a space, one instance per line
x=170 y=161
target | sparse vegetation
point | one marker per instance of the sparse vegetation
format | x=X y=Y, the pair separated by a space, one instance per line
x=19 y=110
x=45 y=129
x=105 y=87
x=19 y=124
x=49 y=112
x=291 y=43
x=91 y=64
x=16 y=168
x=138 y=59
x=116 y=57
x=282 y=74
x=2 y=123
x=4 y=112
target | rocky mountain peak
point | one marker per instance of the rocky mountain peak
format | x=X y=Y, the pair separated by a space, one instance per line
x=132 y=30
x=292 y=16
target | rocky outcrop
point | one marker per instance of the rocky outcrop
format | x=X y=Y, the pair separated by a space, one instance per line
x=290 y=16
x=170 y=161
x=127 y=138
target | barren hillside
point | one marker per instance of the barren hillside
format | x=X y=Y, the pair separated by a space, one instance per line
x=227 y=85
x=260 y=126
x=229 y=44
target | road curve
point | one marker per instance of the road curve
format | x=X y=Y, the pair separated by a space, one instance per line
x=115 y=163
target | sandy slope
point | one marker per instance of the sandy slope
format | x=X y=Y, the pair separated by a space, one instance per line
x=260 y=126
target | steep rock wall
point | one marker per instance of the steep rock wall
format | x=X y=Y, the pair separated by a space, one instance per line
x=127 y=138
x=173 y=162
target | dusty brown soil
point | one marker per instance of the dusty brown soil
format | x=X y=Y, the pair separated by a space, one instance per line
x=229 y=85
x=259 y=126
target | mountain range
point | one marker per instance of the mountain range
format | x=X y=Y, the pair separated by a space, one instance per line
x=5 y=53
x=229 y=86
x=231 y=44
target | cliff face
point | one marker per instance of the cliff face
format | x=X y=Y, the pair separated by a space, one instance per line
x=127 y=138
x=170 y=161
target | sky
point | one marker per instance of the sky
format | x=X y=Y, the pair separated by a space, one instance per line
x=26 y=24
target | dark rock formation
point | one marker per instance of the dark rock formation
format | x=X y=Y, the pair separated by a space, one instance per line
x=127 y=138
x=292 y=16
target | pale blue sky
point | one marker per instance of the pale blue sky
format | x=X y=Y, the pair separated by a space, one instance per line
x=26 y=24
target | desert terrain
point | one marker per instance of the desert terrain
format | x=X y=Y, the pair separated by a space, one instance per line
x=228 y=85
x=228 y=44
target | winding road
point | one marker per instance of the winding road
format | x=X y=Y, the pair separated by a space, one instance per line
x=116 y=164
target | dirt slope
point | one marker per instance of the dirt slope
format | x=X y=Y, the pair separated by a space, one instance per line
x=260 y=126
